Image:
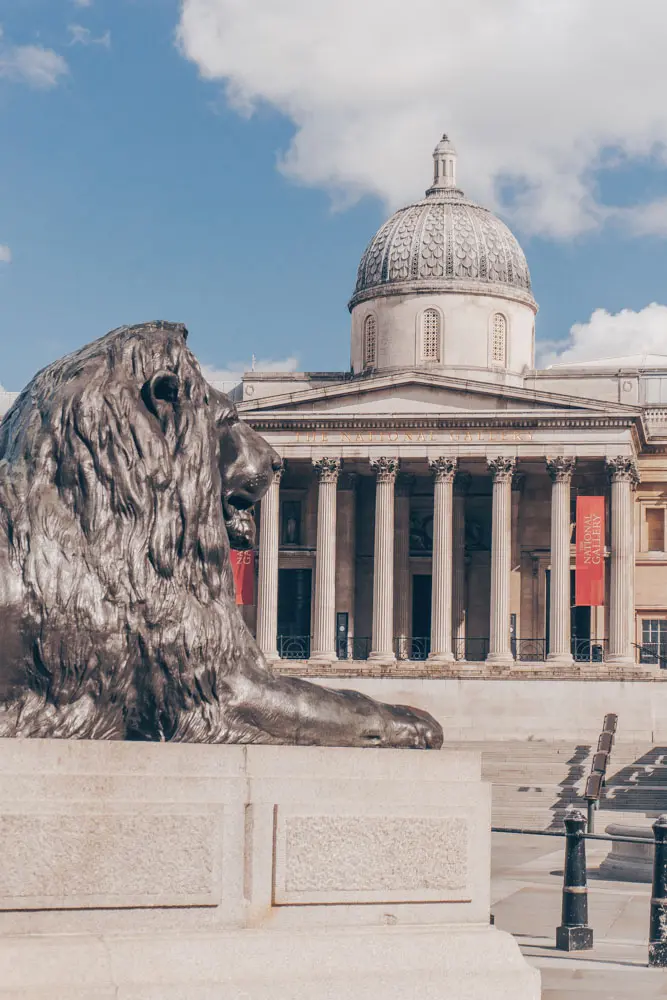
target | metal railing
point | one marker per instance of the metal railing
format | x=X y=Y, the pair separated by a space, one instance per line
x=588 y=650
x=529 y=650
x=294 y=647
x=651 y=653
x=412 y=647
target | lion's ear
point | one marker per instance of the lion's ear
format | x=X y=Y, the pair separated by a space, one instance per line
x=163 y=387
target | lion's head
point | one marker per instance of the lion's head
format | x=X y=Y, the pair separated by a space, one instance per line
x=124 y=478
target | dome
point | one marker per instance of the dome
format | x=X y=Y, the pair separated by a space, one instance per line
x=443 y=243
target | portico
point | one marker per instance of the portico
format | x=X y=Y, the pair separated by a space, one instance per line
x=444 y=540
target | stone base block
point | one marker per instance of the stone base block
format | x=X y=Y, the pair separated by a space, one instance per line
x=574 y=938
x=469 y=963
x=175 y=872
x=629 y=862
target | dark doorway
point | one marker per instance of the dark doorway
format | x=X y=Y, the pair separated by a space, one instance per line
x=294 y=595
x=580 y=622
x=421 y=616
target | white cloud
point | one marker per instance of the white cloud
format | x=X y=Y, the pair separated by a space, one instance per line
x=32 y=64
x=611 y=335
x=534 y=95
x=82 y=3
x=5 y=254
x=235 y=369
x=84 y=36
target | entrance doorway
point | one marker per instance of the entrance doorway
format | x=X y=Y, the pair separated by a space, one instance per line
x=294 y=597
x=421 y=616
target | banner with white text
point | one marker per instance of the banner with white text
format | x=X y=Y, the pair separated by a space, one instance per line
x=589 y=565
x=243 y=564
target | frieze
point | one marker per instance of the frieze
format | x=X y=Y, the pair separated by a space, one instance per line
x=412 y=436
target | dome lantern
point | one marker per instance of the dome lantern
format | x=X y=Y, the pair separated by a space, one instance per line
x=444 y=167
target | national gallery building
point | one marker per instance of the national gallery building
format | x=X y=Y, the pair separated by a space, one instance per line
x=426 y=513
x=425 y=520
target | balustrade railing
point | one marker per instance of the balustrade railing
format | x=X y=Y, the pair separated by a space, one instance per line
x=474 y=649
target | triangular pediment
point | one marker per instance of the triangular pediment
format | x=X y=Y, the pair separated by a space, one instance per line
x=423 y=393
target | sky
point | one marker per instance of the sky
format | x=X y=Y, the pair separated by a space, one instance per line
x=225 y=162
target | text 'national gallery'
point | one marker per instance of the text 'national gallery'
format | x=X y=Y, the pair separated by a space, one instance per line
x=445 y=506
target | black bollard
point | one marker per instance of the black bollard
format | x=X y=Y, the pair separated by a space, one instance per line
x=657 y=938
x=574 y=934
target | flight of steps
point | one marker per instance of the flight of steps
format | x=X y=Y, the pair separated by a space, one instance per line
x=534 y=782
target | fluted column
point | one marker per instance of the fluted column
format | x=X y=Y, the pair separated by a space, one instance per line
x=624 y=478
x=500 y=652
x=324 y=618
x=267 y=582
x=402 y=589
x=444 y=470
x=461 y=487
x=383 y=570
x=560 y=640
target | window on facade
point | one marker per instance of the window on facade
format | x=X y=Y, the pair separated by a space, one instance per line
x=431 y=335
x=499 y=340
x=654 y=640
x=370 y=341
x=290 y=532
x=655 y=529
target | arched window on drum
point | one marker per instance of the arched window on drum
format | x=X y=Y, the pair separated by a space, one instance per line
x=499 y=340
x=431 y=335
x=370 y=345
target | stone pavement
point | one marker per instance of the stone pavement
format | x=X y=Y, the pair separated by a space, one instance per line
x=527 y=878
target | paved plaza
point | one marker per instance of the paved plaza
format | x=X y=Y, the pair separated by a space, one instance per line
x=526 y=899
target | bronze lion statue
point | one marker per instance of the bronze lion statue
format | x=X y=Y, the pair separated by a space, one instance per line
x=124 y=478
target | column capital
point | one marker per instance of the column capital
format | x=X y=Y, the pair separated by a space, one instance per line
x=560 y=468
x=462 y=483
x=501 y=468
x=327 y=469
x=385 y=469
x=443 y=468
x=404 y=484
x=278 y=473
x=623 y=469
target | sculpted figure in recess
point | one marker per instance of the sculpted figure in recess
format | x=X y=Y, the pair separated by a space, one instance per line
x=124 y=479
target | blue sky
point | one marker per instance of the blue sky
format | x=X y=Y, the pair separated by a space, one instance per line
x=132 y=188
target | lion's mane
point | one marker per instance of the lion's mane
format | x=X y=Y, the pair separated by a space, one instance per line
x=113 y=536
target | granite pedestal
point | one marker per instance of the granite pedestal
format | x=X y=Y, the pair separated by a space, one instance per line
x=146 y=871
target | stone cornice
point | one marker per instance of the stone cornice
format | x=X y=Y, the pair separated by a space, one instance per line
x=533 y=420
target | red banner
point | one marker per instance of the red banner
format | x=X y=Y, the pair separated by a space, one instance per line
x=243 y=564
x=589 y=571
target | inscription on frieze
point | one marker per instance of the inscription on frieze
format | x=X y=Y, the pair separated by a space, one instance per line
x=413 y=436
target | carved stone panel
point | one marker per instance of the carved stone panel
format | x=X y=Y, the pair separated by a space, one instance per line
x=333 y=858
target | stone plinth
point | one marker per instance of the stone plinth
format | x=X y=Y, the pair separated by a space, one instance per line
x=269 y=873
x=629 y=862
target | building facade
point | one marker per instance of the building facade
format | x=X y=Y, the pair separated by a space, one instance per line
x=424 y=518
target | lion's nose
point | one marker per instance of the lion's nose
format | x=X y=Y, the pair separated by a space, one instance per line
x=276 y=461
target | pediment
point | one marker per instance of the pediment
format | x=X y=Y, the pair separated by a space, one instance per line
x=419 y=393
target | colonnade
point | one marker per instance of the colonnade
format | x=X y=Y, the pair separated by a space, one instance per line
x=448 y=572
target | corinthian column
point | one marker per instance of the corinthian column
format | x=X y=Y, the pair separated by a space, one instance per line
x=324 y=627
x=560 y=641
x=267 y=583
x=383 y=571
x=461 y=487
x=500 y=653
x=624 y=478
x=402 y=590
x=444 y=470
